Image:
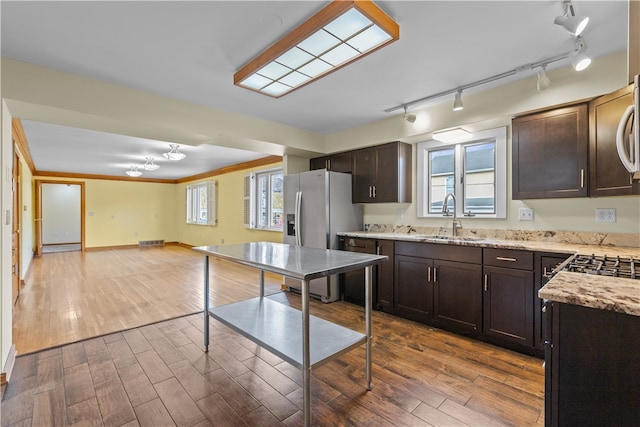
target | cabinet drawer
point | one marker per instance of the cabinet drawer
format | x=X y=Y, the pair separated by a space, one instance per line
x=440 y=251
x=360 y=245
x=522 y=260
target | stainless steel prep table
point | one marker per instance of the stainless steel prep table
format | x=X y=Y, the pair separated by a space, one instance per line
x=303 y=340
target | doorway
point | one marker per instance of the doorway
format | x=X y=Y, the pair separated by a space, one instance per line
x=59 y=216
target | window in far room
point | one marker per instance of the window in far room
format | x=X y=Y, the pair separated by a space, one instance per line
x=201 y=203
x=263 y=200
x=474 y=170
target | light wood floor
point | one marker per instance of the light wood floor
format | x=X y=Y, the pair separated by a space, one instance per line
x=70 y=296
x=158 y=374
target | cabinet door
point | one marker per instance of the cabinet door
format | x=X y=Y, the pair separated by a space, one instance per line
x=363 y=171
x=386 y=177
x=340 y=162
x=318 y=163
x=549 y=154
x=458 y=295
x=385 y=276
x=414 y=290
x=508 y=305
x=608 y=176
x=547 y=264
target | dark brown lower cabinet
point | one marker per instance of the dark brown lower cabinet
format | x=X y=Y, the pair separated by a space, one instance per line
x=508 y=305
x=592 y=358
x=458 y=296
x=443 y=293
x=544 y=265
x=385 y=277
x=414 y=288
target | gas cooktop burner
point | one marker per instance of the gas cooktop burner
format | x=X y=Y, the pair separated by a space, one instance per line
x=604 y=266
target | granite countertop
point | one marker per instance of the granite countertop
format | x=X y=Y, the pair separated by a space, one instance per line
x=529 y=245
x=602 y=292
x=606 y=293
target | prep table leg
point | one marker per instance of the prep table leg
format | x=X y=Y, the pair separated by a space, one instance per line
x=306 y=355
x=206 y=303
x=261 y=283
x=367 y=307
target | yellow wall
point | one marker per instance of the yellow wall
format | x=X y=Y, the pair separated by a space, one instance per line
x=229 y=209
x=121 y=213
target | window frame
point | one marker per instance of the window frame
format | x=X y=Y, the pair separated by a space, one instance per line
x=193 y=216
x=254 y=201
x=499 y=137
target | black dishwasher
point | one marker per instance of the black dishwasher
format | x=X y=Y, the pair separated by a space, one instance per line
x=352 y=282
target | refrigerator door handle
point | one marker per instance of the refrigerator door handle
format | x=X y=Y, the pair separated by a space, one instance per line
x=298 y=218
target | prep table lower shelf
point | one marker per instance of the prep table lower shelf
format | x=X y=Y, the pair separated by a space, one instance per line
x=277 y=327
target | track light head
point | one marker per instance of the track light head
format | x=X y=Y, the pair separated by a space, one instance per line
x=457 y=103
x=579 y=58
x=575 y=25
x=411 y=118
x=543 y=80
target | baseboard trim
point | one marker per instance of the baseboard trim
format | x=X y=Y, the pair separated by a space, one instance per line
x=5 y=377
x=109 y=248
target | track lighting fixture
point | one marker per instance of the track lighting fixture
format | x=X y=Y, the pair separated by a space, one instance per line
x=457 y=103
x=174 y=153
x=579 y=58
x=575 y=25
x=411 y=118
x=150 y=165
x=543 y=80
x=133 y=171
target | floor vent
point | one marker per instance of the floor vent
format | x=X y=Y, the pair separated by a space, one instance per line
x=148 y=243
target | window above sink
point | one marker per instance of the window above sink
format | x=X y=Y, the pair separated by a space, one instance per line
x=475 y=170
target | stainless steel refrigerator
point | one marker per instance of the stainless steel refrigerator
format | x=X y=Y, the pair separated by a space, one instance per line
x=317 y=205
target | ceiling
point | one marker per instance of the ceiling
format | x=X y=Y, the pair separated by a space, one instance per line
x=190 y=50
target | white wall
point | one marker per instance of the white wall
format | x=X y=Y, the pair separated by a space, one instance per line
x=60 y=213
x=27 y=238
x=6 y=161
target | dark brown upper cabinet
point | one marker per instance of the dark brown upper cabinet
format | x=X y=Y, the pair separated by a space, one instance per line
x=382 y=174
x=550 y=154
x=634 y=39
x=608 y=177
x=339 y=162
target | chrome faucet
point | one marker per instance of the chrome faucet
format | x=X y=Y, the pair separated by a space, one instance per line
x=445 y=212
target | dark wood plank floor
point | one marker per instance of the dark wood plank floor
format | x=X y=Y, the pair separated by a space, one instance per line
x=158 y=375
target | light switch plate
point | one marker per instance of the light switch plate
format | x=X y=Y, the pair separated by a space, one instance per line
x=525 y=214
x=605 y=215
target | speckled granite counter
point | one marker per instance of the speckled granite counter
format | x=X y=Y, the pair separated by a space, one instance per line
x=607 y=293
x=529 y=245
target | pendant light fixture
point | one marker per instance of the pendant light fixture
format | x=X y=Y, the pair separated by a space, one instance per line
x=174 y=153
x=150 y=165
x=457 y=103
x=134 y=171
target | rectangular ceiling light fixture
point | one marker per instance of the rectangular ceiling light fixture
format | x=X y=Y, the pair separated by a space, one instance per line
x=338 y=34
x=452 y=135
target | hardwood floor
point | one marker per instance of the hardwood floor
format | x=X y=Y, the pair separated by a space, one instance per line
x=159 y=375
x=69 y=296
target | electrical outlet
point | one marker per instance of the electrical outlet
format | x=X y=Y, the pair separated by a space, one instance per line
x=399 y=213
x=605 y=215
x=525 y=214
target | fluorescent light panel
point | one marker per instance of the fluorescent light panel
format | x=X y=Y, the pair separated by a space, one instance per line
x=452 y=135
x=342 y=32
